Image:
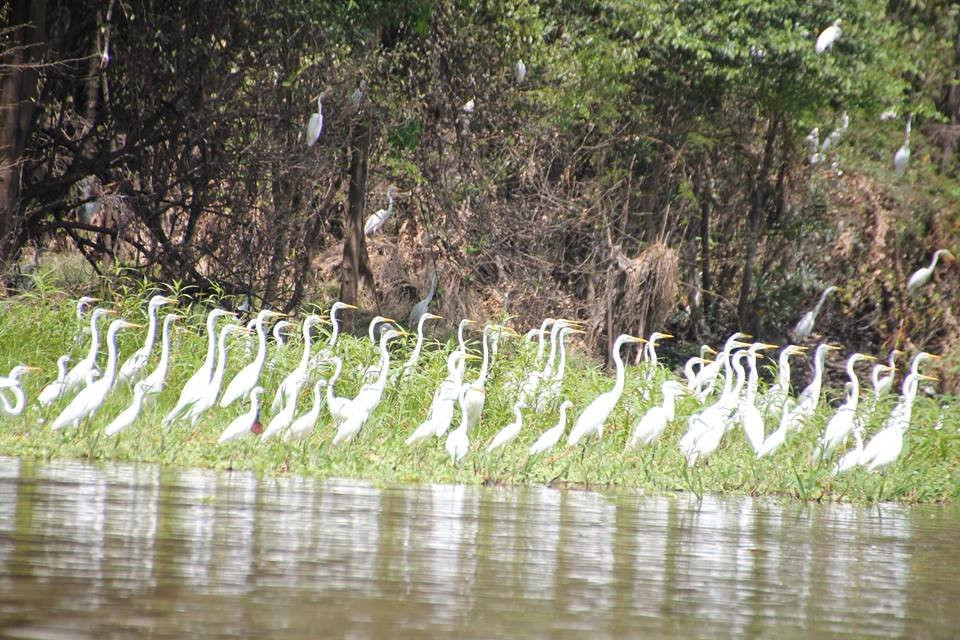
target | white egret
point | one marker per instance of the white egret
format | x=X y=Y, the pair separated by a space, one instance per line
x=128 y=415
x=656 y=419
x=551 y=388
x=138 y=360
x=444 y=400
x=591 y=419
x=315 y=124
x=805 y=326
x=424 y=305
x=828 y=36
x=12 y=381
x=922 y=276
x=773 y=442
x=834 y=138
x=90 y=399
x=375 y=221
x=371 y=372
x=290 y=386
x=369 y=397
x=280 y=421
x=778 y=394
x=278 y=329
x=476 y=392
x=650 y=352
x=843 y=421
x=885 y=447
x=211 y=389
x=809 y=398
x=469 y=106
x=327 y=351
x=882 y=385
x=153 y=382
x=84 y=304
x=246 y=378
x=709 y=372
x=458 y=440
x=300 y=428
x=720 y=419
x=813 y=146
x=532 y=381
x=53 y=390
x=751 y=419
x=549 y=438
x=245 y=423
x=411 y=364
x=851 y=458
x=902 y=156
x=520 y=70
x=510 y=432
x=337 y=406
x=716 y=415
x=200 y=380
x=78 y=374
x=461 y=343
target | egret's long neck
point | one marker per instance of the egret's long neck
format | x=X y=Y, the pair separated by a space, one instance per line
x=485 y=365
x=217 y=378
x=552 y=358
x=305 y=356
x=621 y=372
x=908 y=397
x=111 y=370
x=19 y=400
x=211 y=342
x=727 y=375
x=936 y=256
x=151 y=328
x=384 y=365
x=852 y=376
x=61 y=370
x=669 y=405
x=823 y=298
x=875 y=380
x=783 y=372
x=740 y=375
x=317 y=401
x=94 y=339
x=542 y=342
x=753 y=381
x=817 y=381
x=417 y=348
x=165 y=346
x=261 y=343
x=562 y=367
x=335 y=333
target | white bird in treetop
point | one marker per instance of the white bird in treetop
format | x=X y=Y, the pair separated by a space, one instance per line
x=828 y=36
x=922 y=276
x=521 y=71
x=901 y=158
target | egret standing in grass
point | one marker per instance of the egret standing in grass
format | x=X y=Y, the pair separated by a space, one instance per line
x=139 y=359
x=78 y=374
x=885 y=447
x=91 y=398
x=656 y=419
x=510 y=432
x=922 y=276
x=153 y=383
x=245 y=423
x=591 y=419
x=197 y=385
x=246 y=378
x=444 y=401
x=53 y=390
x=424 y=305
x=843 y=421
x=410 y=365
x=549 y=438
x=300 y=428
x=289 y=389
x=127 y=417
x=12 y=381
x=901 y=158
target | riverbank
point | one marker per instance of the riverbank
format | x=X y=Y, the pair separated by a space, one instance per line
x=36 y=329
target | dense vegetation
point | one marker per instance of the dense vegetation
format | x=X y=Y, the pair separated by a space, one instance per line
x=650 y=171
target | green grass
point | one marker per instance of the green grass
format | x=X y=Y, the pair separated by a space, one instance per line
x=36 y=328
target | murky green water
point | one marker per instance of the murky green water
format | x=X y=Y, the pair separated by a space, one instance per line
x=127 y=551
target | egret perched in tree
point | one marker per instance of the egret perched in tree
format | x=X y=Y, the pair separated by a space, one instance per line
x=843 y=421
x=549 y=438
x=813 y=146
x=468 y=106
x=289 y=389
x=424 y=305
x=128 y=415
x=53 y=390
x=510 y=432
x=444 y=400
x=410 y=365
x=375 y=221
x=210 y=391
x=805 y=326
x=78 y=374
x=885 y=447
x=12 y=382
x=902 y=156
x=246 y=378
x=136 y=362
x=197 y=385
x=656 y=419
x=300 y=428
x=828 y=36
x=153 y=383
x=834 y=138
x=521 y=71
x=91 y=398
x=315 y=125
x=592 y=418
x=245 y=423
x=922 y=276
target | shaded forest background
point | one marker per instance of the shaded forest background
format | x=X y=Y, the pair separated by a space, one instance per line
x=650 y=171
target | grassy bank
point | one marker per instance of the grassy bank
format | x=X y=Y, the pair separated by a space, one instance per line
x=37 y=328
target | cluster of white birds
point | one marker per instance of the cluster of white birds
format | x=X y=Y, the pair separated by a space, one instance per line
x=726 y=387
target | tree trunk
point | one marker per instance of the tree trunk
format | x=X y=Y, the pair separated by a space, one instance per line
x=354 y=245
x=745 y=315
x=18 y=100
x=952 y=109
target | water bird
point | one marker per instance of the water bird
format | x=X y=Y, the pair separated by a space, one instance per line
x=246 y=378
x=198 y=383
x=245 y=423
x=549 y=438
x=901 y=158
x=828 y=36
x=315 y=124
x=56 y=388
x=922 y=276
x=375 y=221
x=12 y=381
x=805 y=325
x=139 y=359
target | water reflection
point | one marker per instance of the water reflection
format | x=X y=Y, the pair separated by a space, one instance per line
x=134 y=550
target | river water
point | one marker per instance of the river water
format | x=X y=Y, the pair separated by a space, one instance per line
x=138 y=551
